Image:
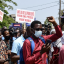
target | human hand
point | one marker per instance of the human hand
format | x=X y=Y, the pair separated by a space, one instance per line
x=45 y=48
x=2 y=61
x=56 y=55
x=51 y=19
x=9 y=52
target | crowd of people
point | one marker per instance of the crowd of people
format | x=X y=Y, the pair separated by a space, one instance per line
x=37 y=44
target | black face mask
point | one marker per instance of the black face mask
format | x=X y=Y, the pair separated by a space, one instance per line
x=7 y=37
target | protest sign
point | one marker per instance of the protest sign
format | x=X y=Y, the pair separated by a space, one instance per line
x=1 y=16
x=25 y=16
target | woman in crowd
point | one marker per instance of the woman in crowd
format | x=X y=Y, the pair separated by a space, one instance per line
x=3 y=51
x=54 y=51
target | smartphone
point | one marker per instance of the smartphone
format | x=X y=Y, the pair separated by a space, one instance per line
x=49 y=41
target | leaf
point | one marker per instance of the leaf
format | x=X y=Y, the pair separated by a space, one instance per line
x=5 y=11
x=46 y=22
x=6 y=19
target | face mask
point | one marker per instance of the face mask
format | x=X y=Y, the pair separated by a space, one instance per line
x=7 y=37
x=38 y=33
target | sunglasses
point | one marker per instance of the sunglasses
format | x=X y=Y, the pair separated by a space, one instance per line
x=37 y=29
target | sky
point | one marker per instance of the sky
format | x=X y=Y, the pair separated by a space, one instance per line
x=42 y=8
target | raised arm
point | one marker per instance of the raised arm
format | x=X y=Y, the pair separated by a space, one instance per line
x=58 y=34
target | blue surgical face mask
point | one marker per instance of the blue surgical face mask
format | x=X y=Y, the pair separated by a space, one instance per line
x=38 y=33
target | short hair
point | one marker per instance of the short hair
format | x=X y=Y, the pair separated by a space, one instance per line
x=4 y=27
x=35 y=22
x=5 y=30
x=19 y=30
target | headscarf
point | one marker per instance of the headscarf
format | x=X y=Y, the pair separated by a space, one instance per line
x=52 y=31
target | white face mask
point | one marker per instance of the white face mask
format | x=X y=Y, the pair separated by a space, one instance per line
x=38 y=33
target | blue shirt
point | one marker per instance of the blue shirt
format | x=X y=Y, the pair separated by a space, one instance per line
x=17 y=44
x=14 y=38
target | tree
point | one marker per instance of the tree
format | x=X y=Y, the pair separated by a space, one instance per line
x=46 y=22
x=62 y=12
x=6 y=19
x=3 y=5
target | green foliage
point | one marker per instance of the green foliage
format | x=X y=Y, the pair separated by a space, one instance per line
x=62 y=12
x=4 y=4
x=46 y=22
x=6 y=19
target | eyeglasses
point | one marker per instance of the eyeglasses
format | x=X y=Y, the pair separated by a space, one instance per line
x=37 y=29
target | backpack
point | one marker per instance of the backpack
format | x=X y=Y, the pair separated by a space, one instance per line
x=32 y=49
x=42 y=39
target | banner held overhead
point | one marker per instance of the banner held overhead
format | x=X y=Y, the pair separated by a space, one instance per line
x=24 y=16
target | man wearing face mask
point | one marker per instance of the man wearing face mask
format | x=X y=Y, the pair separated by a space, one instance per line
x=39 y=54
x=17 y=44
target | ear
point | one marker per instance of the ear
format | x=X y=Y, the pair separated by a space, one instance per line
x=32 y=30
